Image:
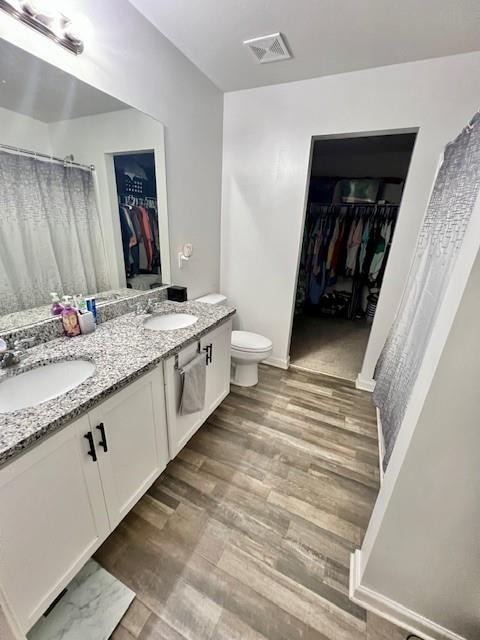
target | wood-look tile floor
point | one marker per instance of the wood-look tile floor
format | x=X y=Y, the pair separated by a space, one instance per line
x=247 y=534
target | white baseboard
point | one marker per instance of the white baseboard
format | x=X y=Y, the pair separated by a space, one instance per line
x=365 y=384
x=278 y=362
x=393 y=611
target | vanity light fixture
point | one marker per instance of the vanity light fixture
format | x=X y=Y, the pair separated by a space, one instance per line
x=47 y=20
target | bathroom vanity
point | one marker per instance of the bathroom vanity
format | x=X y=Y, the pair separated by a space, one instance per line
x=73 y=466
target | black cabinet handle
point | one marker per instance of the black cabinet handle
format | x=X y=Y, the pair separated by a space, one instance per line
x=208 y=351
x=91 y=452
x=103 y=442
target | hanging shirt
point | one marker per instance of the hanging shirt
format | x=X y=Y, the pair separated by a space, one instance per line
x=353 y=245
x=147 y=236
x=338 y=246
x=332 y=243
x=363 y=245
x=380 y=249
x=311 y=246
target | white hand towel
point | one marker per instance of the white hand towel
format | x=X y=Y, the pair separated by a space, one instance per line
x=193 y=377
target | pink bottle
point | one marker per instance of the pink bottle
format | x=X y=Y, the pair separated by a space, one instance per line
x=71 y=325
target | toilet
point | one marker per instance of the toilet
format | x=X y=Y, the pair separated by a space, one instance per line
x=247 y=349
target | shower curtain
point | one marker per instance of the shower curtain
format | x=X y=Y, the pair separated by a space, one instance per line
x=443 y=229
x=50 y=234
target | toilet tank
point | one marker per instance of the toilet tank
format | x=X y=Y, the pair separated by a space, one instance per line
x=213 y=298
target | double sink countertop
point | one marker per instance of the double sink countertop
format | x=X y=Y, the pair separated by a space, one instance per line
x=121 y=349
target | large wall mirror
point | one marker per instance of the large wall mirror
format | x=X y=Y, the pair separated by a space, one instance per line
x=82 y=191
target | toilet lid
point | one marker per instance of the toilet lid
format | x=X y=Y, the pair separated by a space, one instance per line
x=247 y=341
x=213 y=298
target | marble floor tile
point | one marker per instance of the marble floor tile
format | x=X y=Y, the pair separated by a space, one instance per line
x=93 y=606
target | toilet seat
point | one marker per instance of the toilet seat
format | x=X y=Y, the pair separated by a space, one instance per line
x=250 y=342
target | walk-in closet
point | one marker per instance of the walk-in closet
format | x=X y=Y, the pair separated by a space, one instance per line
x=138 y=211
x=354 y=193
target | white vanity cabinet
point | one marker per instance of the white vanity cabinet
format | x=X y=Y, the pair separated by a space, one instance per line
x=215 y=344
x=59 y=501
x=131 y=448
x=52 y=518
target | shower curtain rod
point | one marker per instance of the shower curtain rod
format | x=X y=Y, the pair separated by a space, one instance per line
x=36 y=154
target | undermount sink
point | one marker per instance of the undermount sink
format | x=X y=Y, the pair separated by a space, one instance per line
x=43 y=383
x=170 y=321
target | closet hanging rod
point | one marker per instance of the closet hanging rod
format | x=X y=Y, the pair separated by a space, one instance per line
x=353 y=204
x=36 y=154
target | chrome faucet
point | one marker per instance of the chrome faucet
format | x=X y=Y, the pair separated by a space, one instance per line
x=148 y=308
x=12 y=355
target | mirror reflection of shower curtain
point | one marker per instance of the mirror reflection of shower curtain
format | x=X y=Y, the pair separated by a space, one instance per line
x=443 y=229
x=50 y=234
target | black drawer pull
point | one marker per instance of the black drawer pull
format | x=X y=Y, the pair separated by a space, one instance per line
x=103 y=442
x=208 y=350
x=91 y=452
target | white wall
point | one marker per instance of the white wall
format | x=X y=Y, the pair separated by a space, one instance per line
x=419 y=543
x=93 y=140
x=267 y=138
x=129 y=59
x=425 y=555
x=21 y=131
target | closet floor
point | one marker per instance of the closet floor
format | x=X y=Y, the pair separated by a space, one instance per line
x=247 y=534
x=333 y=346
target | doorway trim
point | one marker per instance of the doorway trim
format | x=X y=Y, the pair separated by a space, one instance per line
x=361 y=382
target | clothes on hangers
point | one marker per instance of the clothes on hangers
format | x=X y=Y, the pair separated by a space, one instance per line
x=346 y=240
x=140 y=236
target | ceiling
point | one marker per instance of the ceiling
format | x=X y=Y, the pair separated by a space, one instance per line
x=37 y=89
x=325 y=36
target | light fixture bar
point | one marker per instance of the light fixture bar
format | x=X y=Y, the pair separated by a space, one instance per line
x=41 y=25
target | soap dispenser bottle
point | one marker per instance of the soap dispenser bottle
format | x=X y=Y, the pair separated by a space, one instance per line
x=57 y=307
x=71 y=326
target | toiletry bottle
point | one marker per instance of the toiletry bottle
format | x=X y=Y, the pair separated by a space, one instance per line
x=71 y=326
x=92 y=306
x=80 y=303
x=57 y=307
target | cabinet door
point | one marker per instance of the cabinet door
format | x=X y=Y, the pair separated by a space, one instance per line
x=52 y=519
x=218 y=370
x=131 y=442
x=180 y=428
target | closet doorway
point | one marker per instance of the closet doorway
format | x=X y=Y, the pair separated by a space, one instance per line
x=136 y=186
x=355 y=189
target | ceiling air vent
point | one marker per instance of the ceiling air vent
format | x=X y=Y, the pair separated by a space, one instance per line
x=268 y=48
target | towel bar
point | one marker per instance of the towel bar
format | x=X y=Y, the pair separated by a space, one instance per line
x=199 y=350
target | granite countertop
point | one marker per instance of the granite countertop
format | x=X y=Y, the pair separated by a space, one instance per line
x=122 y=350
x=27 y=317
